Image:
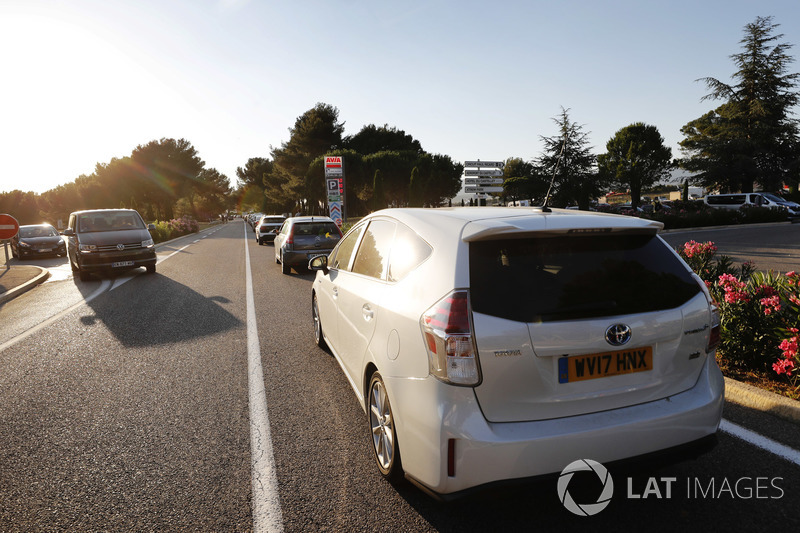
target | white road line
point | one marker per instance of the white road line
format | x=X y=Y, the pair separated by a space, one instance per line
x=266 y=502
x=104 y=285
x=782 y=451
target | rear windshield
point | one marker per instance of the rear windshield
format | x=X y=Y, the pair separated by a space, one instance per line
x=575 y=277
x=317 y=229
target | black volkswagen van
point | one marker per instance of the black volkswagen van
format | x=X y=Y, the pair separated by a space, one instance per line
x=102 y=240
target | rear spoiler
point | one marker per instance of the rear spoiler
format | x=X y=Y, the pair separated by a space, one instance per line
x=548 y=226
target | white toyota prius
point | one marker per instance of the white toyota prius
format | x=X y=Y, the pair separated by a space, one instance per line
x=497 y=344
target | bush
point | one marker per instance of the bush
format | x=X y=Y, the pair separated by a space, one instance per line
x=760 y=312
x=174 y=228
x=697 y=214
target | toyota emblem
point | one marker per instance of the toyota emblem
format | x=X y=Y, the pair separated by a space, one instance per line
x=618 y=334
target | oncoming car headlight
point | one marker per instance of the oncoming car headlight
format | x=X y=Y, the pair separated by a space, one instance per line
x=87 y=248
x=147 y=243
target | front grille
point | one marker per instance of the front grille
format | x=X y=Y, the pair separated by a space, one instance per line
x=113 y=247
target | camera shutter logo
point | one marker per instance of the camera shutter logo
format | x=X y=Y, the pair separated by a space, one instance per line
x=586 y=509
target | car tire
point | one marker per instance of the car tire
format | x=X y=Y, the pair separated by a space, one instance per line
x=286 y=269
x=319 y=338
x=83 y=275
x=385 y=448
x=151 y=269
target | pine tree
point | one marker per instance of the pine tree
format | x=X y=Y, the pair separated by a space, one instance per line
x=751 y=138
x=568 y=161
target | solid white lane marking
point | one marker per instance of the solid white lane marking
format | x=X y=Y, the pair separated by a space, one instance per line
x=781 y=450
x=266 y=502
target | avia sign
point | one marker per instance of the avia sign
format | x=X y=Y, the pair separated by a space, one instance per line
x=334 y=187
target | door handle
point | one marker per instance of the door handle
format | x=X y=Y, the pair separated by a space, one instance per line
x=367 y=311
x=335 y=291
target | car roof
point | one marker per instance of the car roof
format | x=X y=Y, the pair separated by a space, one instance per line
x=42 y=225
x=103 y=211
x=476 y=223
x=295 y=220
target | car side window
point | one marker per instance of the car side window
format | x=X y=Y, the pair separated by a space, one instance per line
x=340 y=258
x=408 y=252
x=372 y=258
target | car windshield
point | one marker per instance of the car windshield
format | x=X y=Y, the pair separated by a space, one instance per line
x=109 y=221
x=37 y=231
x=772 y=197
x=570 y=278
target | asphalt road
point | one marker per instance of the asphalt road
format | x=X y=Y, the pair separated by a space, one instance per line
x=127 y=410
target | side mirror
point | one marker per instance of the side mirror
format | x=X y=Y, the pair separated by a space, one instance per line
x=151 y=227
x=319 y=262
x=69 y=232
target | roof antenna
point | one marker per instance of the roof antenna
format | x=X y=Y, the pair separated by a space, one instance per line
x=545 y=208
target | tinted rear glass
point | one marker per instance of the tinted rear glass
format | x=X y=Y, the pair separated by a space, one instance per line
x=317 y=229
x=575 y=277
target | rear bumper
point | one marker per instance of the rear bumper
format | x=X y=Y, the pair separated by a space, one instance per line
x=301 y=257
x=487 y=453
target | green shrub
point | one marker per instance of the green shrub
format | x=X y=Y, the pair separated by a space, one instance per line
x=173 y=229
x=760 y=312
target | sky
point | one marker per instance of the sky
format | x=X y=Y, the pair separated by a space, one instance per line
x=86 y=81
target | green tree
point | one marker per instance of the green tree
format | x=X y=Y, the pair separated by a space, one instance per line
x=751 y=138
x=522 y=182
x=636 y=158
x=568 y=161
x=378 y=192
x=168 y=169
x=416 y=189
x=441 y=178
x=372 y=139
x=316 y=132
x=254 y=189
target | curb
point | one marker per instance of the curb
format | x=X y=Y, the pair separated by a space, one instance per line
x=16 y=291
x=761 y=400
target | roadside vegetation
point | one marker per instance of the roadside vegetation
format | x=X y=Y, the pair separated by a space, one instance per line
x=760 y=314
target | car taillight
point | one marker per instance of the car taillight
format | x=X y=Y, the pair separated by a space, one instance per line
x=290 y=237
x=714 y=335
x=446 y=328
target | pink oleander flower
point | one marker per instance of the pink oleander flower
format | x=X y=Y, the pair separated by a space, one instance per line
x=771 y=304
x=734 y=289
x=783 y=366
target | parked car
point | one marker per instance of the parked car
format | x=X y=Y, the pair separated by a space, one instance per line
x=301 y=238
x=493 y=344
x=109 y=239
x=267 y=228
x=36 y=240
x=753 y=199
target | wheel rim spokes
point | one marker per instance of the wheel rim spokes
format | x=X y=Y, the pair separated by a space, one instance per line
x=381 y=421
